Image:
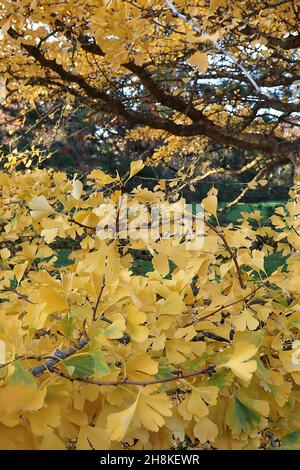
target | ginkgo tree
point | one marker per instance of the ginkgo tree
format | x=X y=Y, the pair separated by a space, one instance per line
x=216 y=71
x=200 y=352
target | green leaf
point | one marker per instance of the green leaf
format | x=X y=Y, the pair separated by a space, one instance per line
x=241 y=418
x=194 y=364
x=282 y=301
x=263 y=373
x=164 y=369
x=81 y=366
x=290 y=441
x=21 y=375
x=67 y=326
x=101 y=368
x=222 y=379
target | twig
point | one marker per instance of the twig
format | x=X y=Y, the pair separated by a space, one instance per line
x=127 y=381
x=230 y=251
x=296 y=231
x=94 y=318
x=21 y=296
x=82 y=225
x=233 y=203
x=222 y=307
x=58 y=354
x=30 y=357
x=220 y=48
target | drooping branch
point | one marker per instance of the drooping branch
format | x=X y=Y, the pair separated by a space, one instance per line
x=198 y=30
x=223 y=307
x=201 y=125
x=247 y=188
x=178 y=375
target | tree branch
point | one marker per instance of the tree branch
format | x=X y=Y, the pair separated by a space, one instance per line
x=231 y=252
x=59 y=355
x=207 y=370
x=201 y=125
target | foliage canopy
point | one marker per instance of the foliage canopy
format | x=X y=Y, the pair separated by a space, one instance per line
x=193 y=72
x=196 y=353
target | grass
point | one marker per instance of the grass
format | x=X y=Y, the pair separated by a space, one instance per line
x=232 y=215
x=267 y=209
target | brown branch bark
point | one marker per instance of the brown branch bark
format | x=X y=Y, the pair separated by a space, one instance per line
x=223 y=307
x=200 y=125
x=233 y=203
x=206 y=370
x=21 y=296
x=95 y=309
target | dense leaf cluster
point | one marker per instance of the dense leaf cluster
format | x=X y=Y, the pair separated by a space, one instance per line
x=199 y=352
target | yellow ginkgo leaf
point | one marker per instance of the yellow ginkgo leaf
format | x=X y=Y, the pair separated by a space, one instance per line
x=77 y=189
x=255 y=259
x=118 y=423
x=240 y=364
x=160 y=262
x=136 y=331
x=196 y=405
x=172 y=305
x=258 y=259
x=116 y=329
x=245 y=320
x=19 y=270
x=2 y=352
x=43 y=421
x=102 y=178
x=36 y=316
x=4 y=254
x=141 y=367
x=49 y=234
x=54 y=301
x=16 y=398
x=93 y=438
x=210 y=203
x=209 y=394
x=136 y=167
x=177 y=350
x=52 y=442
x=205 y=430
x=152 y=409
x=199 y=60
x=214 y=4
x=40 y=207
